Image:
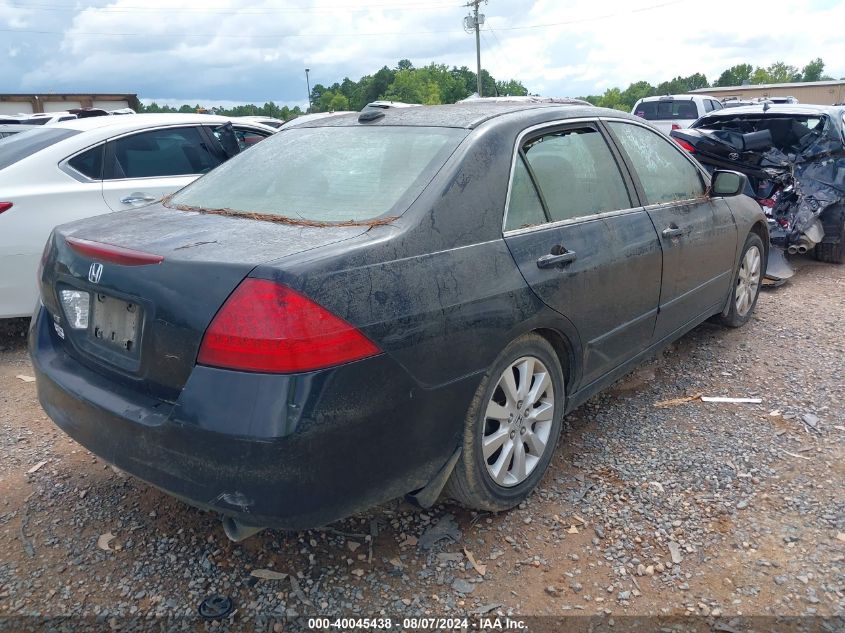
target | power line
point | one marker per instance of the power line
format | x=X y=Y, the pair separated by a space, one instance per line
x=496 y=37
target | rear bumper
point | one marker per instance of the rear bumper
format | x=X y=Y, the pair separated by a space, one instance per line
x=287 y=451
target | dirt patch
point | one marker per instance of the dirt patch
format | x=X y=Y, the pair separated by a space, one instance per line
x=705 y=509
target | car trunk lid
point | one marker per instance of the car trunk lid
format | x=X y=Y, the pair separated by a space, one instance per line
x=146 y=317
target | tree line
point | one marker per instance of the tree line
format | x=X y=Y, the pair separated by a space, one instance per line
x=437 y=83
x=270 y=109
x=430 y=85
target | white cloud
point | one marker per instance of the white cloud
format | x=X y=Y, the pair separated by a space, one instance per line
x=676 y=39
x=257 y=51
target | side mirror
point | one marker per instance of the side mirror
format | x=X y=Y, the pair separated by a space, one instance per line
x=727 y=183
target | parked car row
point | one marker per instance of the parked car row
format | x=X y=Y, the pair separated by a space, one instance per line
x=47 y=118
x=402 y=301
x=79 y=168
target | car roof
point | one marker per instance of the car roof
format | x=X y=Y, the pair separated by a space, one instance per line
x=19 y=127
x=679 y=97
x=258 y=118
x=778 y=108
x=467 y=115
x=135 y=121
x=303 y=119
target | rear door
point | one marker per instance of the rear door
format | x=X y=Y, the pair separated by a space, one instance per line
x=143 y=167
x=697 y=232
x=585 y=248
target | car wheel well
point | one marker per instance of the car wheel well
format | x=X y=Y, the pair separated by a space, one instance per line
x=760 y=229
x=563 y=350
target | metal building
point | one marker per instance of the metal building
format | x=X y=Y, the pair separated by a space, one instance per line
x=54 y=102
x=820 y=92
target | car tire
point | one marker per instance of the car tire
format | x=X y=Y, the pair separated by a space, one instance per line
x=832 y=253
x=532 y=430
x=746 y=283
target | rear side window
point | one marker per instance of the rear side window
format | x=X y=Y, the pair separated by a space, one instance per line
x=665 y=174
x=18 y=146
x=328 y=174
x=708 y=105
x=89 y=163
x=576 y=173
x=666 y=110
x=524 y=206
x=248 y=138
x=168 y=152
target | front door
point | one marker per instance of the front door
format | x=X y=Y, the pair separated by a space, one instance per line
x=697 y=232
x=581 y=244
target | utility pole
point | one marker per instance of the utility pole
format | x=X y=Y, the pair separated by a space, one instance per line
x=474 y=22
x=308 y=84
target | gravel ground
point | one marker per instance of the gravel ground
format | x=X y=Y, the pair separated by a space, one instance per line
x=716 y=510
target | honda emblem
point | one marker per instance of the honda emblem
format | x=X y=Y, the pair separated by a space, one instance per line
x=95 y=272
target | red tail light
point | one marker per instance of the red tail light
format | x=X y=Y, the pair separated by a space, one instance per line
x=112 y=254
x=675 y=126
x=685 y=145
x=5 y=206
x=267 y=327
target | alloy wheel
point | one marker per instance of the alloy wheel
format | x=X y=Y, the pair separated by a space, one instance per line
x=748 y=280
x=518 y=421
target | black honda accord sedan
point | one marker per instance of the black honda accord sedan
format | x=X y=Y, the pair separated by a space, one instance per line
x=391 y=303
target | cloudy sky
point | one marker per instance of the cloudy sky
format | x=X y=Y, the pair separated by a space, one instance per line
x=236 y=51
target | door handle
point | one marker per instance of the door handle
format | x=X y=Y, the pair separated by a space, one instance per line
x=137 y=198
x=672 y=231
x=548 y=261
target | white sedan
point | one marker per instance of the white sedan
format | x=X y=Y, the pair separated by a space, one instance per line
x=84 y=167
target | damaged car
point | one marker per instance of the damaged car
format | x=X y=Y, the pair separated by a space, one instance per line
x=794 y=157
x=401 y=301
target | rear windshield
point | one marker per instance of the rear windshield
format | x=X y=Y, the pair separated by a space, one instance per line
x=666 y=110
x=14 y=148
x=328 y=174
